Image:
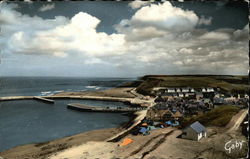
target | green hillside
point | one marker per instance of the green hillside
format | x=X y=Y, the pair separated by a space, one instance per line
x=232 y=84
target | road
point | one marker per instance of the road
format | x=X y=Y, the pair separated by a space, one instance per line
x=236 y=120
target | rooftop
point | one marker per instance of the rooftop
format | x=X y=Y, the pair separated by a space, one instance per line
x=197 y=127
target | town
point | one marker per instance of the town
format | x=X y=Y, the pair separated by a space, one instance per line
x=172 y=105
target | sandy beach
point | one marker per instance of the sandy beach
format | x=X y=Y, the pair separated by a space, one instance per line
x=43 y=150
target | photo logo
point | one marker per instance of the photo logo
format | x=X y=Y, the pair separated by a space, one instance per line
x=234 y=145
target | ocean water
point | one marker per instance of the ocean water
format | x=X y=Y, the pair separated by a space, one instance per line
x=30 y=121
x=39 y=86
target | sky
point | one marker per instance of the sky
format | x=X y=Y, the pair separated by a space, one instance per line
x=123 y=38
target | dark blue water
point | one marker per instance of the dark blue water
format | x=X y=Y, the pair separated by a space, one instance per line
x=19 y=86
x=30 y=121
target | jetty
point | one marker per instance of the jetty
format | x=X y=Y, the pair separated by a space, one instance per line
x=44 y=99
x=87 y=108
x=15 y=98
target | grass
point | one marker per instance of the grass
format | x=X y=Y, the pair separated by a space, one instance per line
x=219 y=116
x=233 y=84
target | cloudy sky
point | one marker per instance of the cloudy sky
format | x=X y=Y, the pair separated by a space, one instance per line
x=123 y=39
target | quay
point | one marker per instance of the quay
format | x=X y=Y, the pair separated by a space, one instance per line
x=131 y=101
x=83 y=107
x=15 y=98
x=44 y=99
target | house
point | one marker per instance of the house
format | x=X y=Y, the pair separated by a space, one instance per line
x=178 y=90
x=158 y=88
x=171 y=90
x=204 y=90
x=186 y=94
x=192 y=90
x=185 y=90
x=217 y=95
x=166 y=94
x=210 y=90
x=195 y=131
x=175 y=95
x=157 y=115
x=246 y=96
x=181 y=95
x=177 y=115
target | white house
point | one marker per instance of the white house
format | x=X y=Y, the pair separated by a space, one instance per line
x=171 y=90
x=204 y=90
x=181 y=95
x=158 y=88
x=186 y=94
x=246 y=96
x=195 y=131
x=178 y=90
x=192 y=90
x=185 y=90
x=210 y=90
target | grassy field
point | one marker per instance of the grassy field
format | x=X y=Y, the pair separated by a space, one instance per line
x=219 y=116
x=232 y=84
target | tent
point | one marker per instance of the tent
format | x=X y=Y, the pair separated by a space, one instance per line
x=151 y=127
x=126 y=141
x=142 y=130
x=176 y=123
x=169 y=122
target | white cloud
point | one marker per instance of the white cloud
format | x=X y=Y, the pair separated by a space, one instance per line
x=28 y=1
x=205 y=21
x=215 y=36
x=59 y=36
x=165 y=16
x=47 y=7
x=186 y=51
x=166 y=40
x=138 y=4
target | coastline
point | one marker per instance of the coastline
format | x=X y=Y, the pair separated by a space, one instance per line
x=45 y=149
x=93 y=144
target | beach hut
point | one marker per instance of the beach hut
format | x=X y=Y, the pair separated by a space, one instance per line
x=195 y=131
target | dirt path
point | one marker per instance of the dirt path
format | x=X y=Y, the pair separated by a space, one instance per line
x=236 y=120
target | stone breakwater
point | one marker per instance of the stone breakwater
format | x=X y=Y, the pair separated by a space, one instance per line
x=132 y=101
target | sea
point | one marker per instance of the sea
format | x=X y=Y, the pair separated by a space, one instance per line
x=30 y=121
